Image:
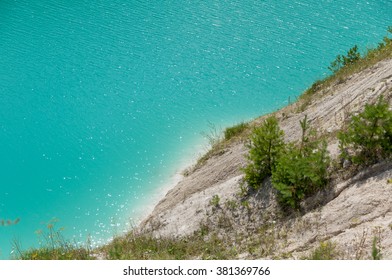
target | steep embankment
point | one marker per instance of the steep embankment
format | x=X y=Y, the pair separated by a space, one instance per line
x=349 y=214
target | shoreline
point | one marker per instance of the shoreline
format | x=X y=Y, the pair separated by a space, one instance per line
x=188 y=204
x=143 y=211
x=185 y=163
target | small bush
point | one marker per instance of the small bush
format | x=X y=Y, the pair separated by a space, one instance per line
x=235 y=130
x=299 y=174
x=266 y=144
x=301 y=169
x=368 y=137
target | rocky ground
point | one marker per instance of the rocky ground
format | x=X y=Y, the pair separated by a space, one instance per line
x=349 y=214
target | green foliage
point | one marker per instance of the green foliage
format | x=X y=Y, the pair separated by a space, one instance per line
x=325 y=251
x=368 y=137
x=337 y=64
x=299 y=174
x=386 y=40
x=301 y=170
x=297 y=170
x=231 y=204
x=344 y=60
x=245 y=204
x=352 y=56
x=376 y=250
x=235 y=130
x=266 y=144
x=215 y=201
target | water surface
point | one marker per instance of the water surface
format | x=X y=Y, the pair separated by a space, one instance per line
x=102 y=102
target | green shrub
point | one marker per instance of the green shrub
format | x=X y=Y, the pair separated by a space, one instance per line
x=266 y=143
x=368 y=137
x=235 y=130
x=301 y=169
x=299 y=174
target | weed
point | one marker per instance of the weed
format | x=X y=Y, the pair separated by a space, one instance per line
x=244 y=190
x=54 y=247
x=245 y=204
x=235 y=130
x=376 y=250
x=325 y=251
x=360 y=245
x=376 y=244
x=214 y=202
x=231 y=204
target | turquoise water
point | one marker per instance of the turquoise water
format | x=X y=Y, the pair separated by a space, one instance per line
x=102 y=102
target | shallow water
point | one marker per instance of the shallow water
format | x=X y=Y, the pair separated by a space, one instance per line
x=102 y=103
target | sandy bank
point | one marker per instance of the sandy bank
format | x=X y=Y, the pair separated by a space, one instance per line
x=358 y=206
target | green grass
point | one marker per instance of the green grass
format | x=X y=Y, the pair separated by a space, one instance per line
x=235 y=131
x=146 y=247
x=54 y=247
x=201 y=245
x=370 y=58
x=67 y=252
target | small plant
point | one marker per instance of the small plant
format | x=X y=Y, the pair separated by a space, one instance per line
x=214 y=202
x=376 y=249
x=266 y=144
x=235 y=130
x=54 y=247
x=345 y=60
x=213 y=136
x=368 y=137
x=244 y=191
x=204 y=230
x=325 y=251
x=245 y=204
x=314 y=88
x=376 y=244
x=231 y=204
